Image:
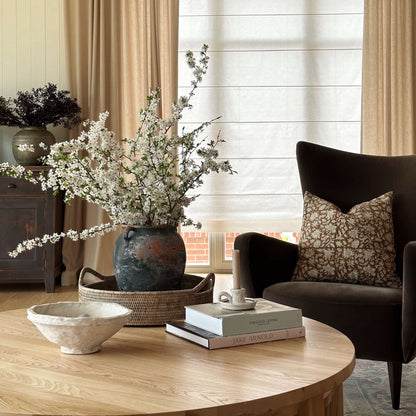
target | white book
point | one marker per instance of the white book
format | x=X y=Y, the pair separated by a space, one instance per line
x=266 y=316
x=213 y=341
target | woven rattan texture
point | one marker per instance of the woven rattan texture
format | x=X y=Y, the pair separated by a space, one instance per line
x=149 y=308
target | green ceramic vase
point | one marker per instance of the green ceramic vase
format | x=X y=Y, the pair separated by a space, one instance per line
x=31 y=136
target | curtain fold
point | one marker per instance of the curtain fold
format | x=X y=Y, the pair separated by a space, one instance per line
x=117 y=51
x=389 y=82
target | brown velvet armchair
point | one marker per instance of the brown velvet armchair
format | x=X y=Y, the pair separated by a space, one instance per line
x=381 y=322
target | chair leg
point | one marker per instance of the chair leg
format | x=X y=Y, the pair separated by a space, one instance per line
x=395 y=378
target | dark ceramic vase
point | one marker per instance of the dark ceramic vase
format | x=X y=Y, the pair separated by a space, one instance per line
x=149 y=259
x=31 y=136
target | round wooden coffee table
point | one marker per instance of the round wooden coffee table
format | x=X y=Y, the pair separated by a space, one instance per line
x=146 y=371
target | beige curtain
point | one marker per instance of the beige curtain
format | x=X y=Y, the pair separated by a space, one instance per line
x=389 y=79
x=118 y=50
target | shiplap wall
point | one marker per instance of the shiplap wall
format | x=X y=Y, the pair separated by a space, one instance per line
x=32 y=53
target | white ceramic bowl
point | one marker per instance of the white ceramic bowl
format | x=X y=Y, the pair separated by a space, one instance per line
x=78 y=327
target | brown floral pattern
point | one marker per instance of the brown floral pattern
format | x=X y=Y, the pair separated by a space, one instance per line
x=357 y=247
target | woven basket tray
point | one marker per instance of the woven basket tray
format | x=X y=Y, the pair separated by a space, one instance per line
x=149 y=308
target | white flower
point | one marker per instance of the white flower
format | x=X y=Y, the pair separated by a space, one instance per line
x=143 y=180
x=328 y=269
x=316 y=234
x=26 y=147
x=347 y=253
x=331 y=228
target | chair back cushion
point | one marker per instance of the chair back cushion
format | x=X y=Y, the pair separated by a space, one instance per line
x=346 y=179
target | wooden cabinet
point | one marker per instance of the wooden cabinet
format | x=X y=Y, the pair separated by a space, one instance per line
x=27 y=212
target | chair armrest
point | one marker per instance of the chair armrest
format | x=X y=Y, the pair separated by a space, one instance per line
x=264 y=261
x=409 y=302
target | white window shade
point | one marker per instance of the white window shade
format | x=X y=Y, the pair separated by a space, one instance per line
x=280 y=72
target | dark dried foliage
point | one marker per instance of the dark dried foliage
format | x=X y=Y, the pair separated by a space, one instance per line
x=40 y=107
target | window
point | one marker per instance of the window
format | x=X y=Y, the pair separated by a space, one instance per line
x=280 y=72
x=197 y=248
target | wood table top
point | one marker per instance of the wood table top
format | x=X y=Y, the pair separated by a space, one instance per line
x=146 y=371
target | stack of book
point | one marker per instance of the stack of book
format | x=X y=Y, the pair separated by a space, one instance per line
x=213 y=327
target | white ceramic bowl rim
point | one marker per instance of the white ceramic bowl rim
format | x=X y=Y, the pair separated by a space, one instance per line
x=69 y=313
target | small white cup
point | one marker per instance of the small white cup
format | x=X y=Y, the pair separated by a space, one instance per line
x=237 y=296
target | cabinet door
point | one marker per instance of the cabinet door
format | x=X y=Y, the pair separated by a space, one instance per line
x=21 y=219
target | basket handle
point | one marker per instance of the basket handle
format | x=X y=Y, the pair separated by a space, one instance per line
x=201 y=285
x=97 y=276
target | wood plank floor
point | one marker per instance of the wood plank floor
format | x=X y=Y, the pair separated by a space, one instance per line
x=17 y=296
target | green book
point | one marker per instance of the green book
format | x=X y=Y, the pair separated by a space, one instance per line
x=266 y=316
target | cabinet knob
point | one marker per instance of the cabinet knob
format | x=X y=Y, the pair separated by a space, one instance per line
x=11 y=185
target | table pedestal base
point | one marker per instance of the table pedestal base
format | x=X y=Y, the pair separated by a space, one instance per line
x=330 y=403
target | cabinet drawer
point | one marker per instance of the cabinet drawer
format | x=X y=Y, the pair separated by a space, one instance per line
x=10 y=186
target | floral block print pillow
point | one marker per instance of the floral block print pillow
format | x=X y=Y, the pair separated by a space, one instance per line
x=357 y=247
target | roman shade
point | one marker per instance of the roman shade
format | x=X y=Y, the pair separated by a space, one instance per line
x=279 y=72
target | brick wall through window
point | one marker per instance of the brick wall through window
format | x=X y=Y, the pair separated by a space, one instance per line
x=197 y=245
x=230 y=237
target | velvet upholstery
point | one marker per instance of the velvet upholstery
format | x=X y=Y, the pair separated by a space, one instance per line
x=381 y=322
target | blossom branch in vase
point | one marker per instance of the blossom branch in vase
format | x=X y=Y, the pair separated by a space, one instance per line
x=144 y=180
